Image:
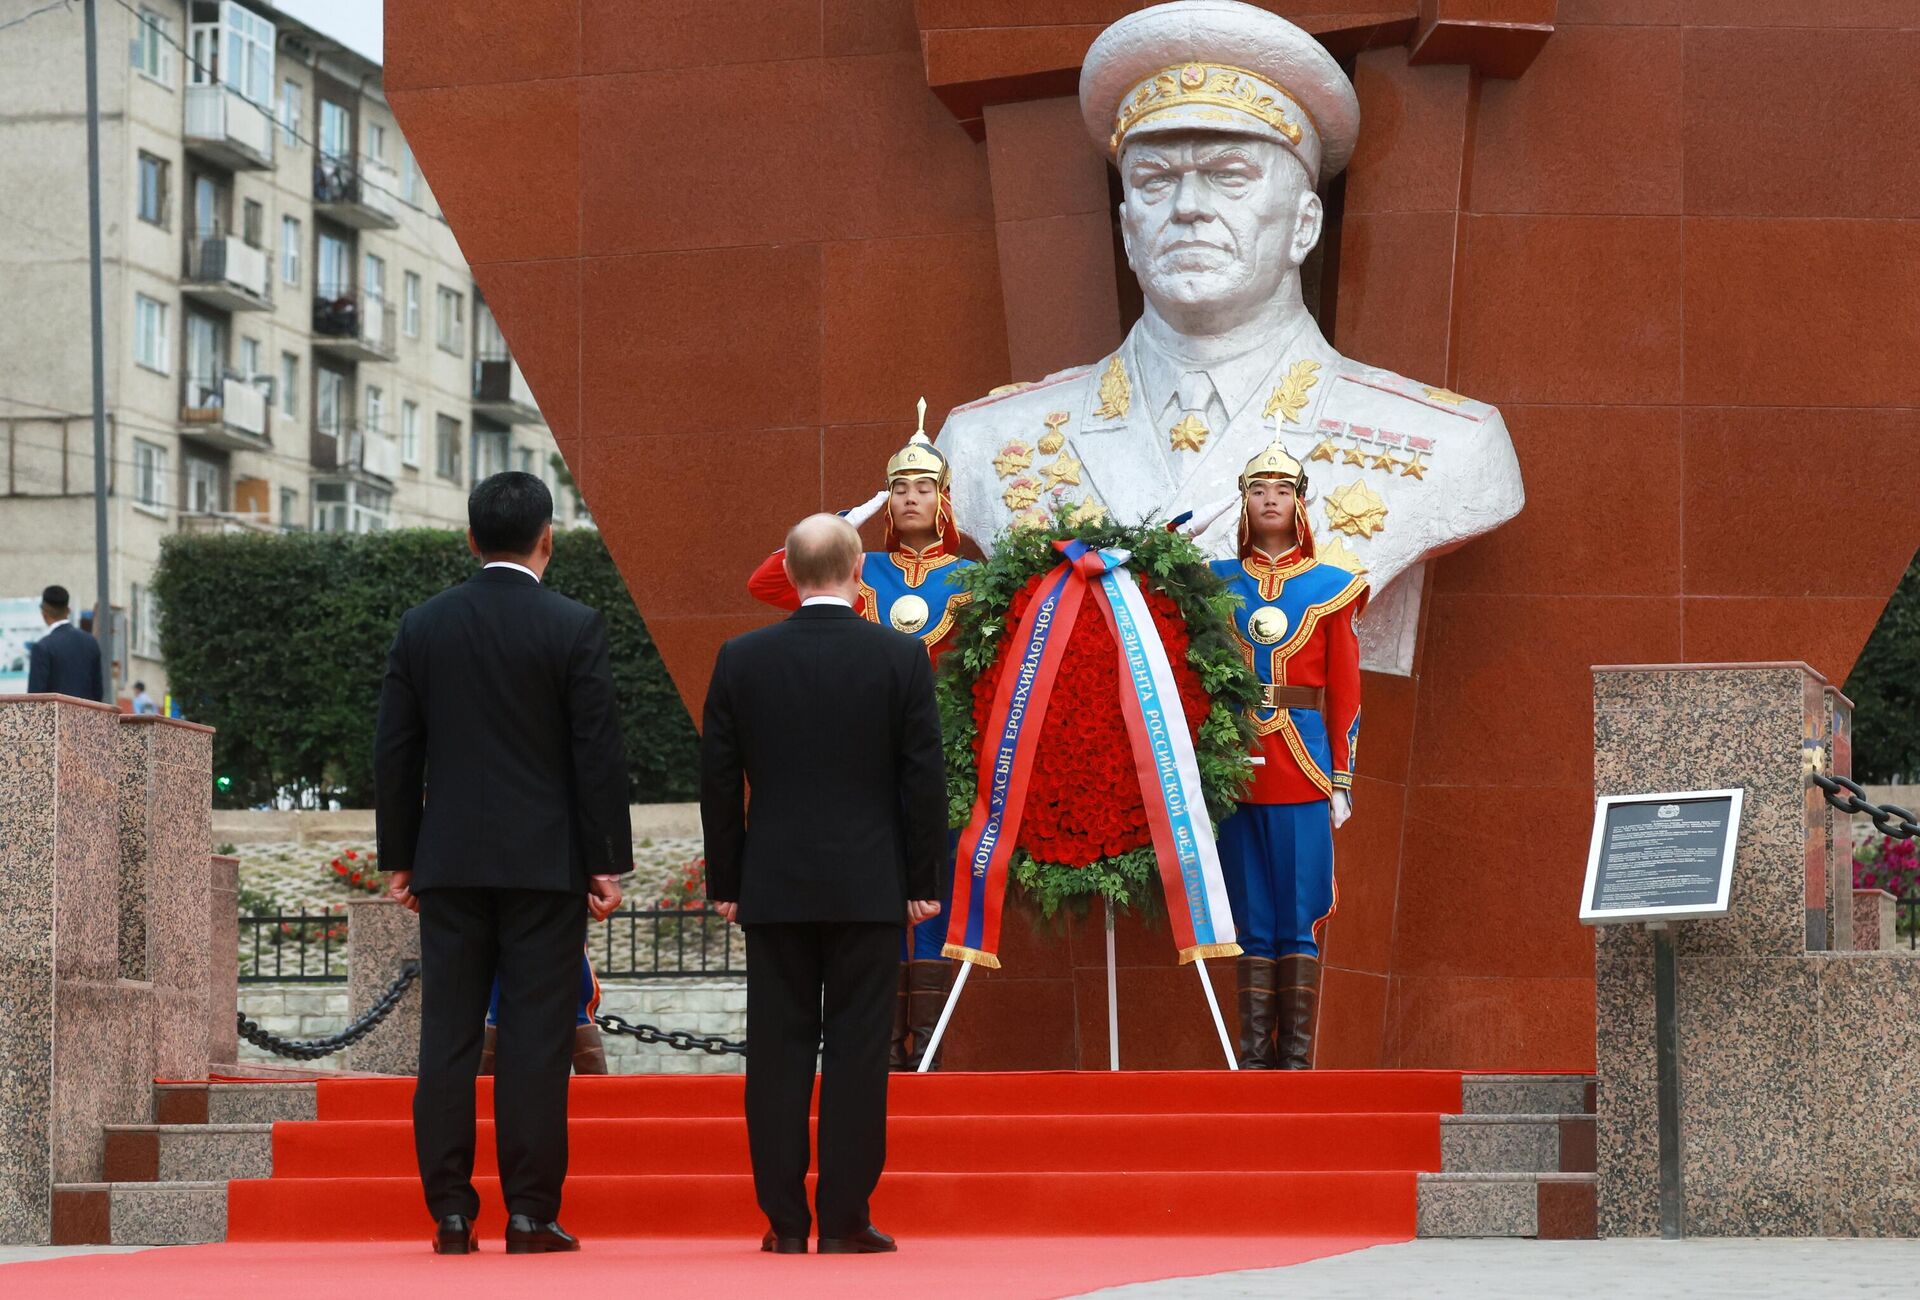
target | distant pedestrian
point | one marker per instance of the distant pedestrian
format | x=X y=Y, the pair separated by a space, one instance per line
x=143 y=702
x=66 y=661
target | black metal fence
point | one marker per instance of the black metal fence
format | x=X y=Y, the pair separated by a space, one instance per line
x=638 y=943
x=1906 y=918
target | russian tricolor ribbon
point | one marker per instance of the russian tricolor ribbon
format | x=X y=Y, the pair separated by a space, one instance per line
x=1163 y=757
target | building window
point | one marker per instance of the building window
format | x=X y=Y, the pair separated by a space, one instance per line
x=250 y=359
x=152 y=50
x=150 y=474
x=376 y=142
x=452 y=320
x=289 y=510
x=290 y=112
x=290 y=250
x=336 y=268
x=409 y=174
x=253 y=222
x=144 y=635
x=410 y=434
x=203 y=487
x=335 y=122
x=446 y=447
x=289 y=384
x=330 y=404
x=150 y=333
x=247 y=54
x=153 y=190
x=373 y=282
x=490 y=452
x=376 y=410
x=350 y=508
x=410 y=304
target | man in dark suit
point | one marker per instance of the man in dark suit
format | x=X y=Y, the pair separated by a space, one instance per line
x=830 y=720
x=498 y=709
x=66 y=661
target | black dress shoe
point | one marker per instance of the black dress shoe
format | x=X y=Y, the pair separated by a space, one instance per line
x=780 y=1245
x=525 y=1237
x=868 y=1241
x=454 y=1236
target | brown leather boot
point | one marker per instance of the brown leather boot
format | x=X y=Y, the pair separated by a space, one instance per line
x=1257 y=1010
x=589 y=1053
x=897 y=1052
x=488 y=1041
x=928 y=983
x=1299 y=1000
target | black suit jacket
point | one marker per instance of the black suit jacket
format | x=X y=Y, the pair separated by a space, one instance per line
x=498 y=707
x=66 y=661
x=831 y=721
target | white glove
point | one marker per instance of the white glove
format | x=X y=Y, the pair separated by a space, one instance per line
x=867 y=509
x=1342 y=808
x=1205 y=517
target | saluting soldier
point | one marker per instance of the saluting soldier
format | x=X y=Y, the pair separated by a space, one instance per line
x=913 y=586
x=1295 y=625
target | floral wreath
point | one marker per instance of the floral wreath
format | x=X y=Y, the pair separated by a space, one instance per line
x=1085 y=830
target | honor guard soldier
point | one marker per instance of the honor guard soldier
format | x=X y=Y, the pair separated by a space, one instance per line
x=913 y=586
x=1295 y=626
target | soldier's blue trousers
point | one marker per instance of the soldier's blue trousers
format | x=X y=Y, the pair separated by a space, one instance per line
x=930 y=936
x=1277 y=859
x=583 y=1014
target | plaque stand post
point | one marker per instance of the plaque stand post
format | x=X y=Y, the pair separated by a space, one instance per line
x=1113 y=998
x=1666 y=1036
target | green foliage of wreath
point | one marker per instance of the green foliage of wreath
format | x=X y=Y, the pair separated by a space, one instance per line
x=1163 y=561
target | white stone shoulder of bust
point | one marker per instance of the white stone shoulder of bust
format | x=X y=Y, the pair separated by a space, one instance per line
x=1009 y=452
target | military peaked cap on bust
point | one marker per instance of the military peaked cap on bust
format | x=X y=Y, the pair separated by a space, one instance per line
x=1218 y=65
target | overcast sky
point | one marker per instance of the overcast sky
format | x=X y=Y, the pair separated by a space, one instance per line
x=354 y=23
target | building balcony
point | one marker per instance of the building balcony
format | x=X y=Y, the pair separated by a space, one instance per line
x=229 y=273
x=350 y=448
x=500 y=392
x=226 y=521
x=229 y=412
x=357 y=192
x=228 y=130
x=354 y=326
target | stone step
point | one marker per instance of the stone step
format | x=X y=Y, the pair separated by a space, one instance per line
x=139 y=1214
x=1527 y=1094
x=1547 y=1206
x=233 y=1103
x=1517 y=1144
x=186 y=1153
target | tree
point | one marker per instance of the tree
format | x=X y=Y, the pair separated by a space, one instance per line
x=1885 y=689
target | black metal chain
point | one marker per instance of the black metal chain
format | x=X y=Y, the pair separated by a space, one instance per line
x=1891 y=819
x=312 y=1049
x=678 y=1039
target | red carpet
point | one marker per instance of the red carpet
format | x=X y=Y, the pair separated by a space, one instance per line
x=1197 y=1153
x=1027 y=1268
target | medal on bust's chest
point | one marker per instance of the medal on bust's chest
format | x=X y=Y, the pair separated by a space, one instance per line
x=908 y=614
x=1267 y=624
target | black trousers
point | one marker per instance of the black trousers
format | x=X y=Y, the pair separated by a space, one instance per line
x=827 y=987
x=532 y=939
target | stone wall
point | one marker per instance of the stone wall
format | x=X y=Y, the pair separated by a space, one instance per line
x=716 y=1007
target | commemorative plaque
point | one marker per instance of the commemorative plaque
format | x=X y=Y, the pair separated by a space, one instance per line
x=1661 y=857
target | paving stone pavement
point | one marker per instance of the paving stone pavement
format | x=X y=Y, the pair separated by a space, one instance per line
x=1701 y=1269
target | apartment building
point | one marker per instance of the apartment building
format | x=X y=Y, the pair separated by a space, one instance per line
x=293 y=339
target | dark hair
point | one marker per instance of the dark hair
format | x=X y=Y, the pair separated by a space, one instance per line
x=139 y=686
x=56 y=597
x=507 y=511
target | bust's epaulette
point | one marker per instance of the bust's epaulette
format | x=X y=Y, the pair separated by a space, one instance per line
x=1427 y=395
x=1029 y=386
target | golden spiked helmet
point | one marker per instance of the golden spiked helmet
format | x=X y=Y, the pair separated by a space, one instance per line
x=920 y=458
x=1275 y=463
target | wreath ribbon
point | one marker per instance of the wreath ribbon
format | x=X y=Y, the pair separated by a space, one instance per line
x=1163 y=753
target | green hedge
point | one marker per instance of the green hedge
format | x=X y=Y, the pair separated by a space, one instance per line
x=280 y=643
x=1885 y=690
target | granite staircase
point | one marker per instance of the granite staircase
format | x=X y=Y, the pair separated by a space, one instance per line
x=1516 y=1161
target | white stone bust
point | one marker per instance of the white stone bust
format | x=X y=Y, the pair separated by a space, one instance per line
x=1222 y=118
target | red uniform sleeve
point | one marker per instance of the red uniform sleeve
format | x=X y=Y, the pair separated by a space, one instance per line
x=769 y=584
x=1343 y=691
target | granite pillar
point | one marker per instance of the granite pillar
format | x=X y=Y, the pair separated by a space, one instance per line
x=1795 y=1119
x=223 y=961
x=381 y=935
x=1874 y=915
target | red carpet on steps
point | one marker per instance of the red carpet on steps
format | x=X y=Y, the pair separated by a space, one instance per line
x=1148 y=1154
x=1021 y=1268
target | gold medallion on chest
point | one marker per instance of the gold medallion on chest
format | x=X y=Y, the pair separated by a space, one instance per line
x=909 y=614
x=1267 y=624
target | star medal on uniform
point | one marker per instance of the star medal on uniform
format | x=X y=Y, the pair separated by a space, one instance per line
x=1353 y=456
x=1190 y=434
x=1334 y=550
x=1053 y=440
x=909 y=614
x=1062 y=471
x=1415 y=468
x=1356 y=510
x=1446 y=395
x=1267 y=624
x=1013 y=458
x=1020 y=494
x=1324 y=450
x=1087 y=512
